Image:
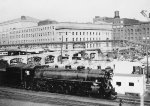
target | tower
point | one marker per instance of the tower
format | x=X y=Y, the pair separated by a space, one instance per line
x=116 y=14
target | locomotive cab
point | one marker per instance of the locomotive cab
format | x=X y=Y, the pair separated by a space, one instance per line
x=19 y=75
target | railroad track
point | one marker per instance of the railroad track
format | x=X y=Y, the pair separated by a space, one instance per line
x=132 y=100
x=47 y=100
x=64 y=100
x=50 y=98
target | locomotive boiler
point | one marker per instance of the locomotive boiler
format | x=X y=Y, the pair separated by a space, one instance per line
x=79 y=82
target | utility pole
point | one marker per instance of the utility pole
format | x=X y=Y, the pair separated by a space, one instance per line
x=61 y=47
x=143 y=12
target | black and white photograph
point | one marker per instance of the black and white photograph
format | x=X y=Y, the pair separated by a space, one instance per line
x=74 y=52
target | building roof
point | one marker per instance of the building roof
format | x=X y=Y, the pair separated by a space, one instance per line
x=83 y=26
x=130 y=21
x=139 y=23
x=21 y=19
x=104 y=19
x=46 y=22
x=145 y=22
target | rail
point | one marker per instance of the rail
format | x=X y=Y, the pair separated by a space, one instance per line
x=67 y=100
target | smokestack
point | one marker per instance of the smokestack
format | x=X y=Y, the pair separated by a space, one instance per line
x=116 y=14
x=23 y=17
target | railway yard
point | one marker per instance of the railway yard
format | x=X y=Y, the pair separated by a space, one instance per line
x=49 y=63
x=15 y=96
x=37 y=84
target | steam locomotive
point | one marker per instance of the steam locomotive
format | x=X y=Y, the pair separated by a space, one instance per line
x=87 y=82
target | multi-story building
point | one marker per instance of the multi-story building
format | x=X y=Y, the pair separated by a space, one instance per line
x=131 y=30
x=137 y=32
x=52 y=34
x=119 y=25
x=78 y=32
x=127 y=29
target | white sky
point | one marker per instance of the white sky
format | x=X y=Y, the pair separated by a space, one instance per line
x=72 y=10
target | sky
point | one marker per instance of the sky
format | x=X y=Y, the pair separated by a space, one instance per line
x=72 y=10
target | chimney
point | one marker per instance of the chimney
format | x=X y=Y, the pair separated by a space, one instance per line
x=97 y=16
x=116 y=14
x=23 y=17
x=149 y=15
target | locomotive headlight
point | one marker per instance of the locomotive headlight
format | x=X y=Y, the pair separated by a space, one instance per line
x=111 y=74
x=27 y=72
x=96 y=81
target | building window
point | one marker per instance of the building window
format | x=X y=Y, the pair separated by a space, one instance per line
x=76 y=39
x=72 y=33
x=66 y=46
x=131 y=84
x=107 y=44
x=118 y=83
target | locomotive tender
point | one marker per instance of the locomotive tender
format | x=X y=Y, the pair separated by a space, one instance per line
x=67 y=81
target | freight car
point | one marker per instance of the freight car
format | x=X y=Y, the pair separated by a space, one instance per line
x=67 y=81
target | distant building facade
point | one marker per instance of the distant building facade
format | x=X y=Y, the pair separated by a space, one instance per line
x=52 y=34
x=131 y=30
x=137 y=32
x=78 y=32
x=127 y=29
x=119 y=32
